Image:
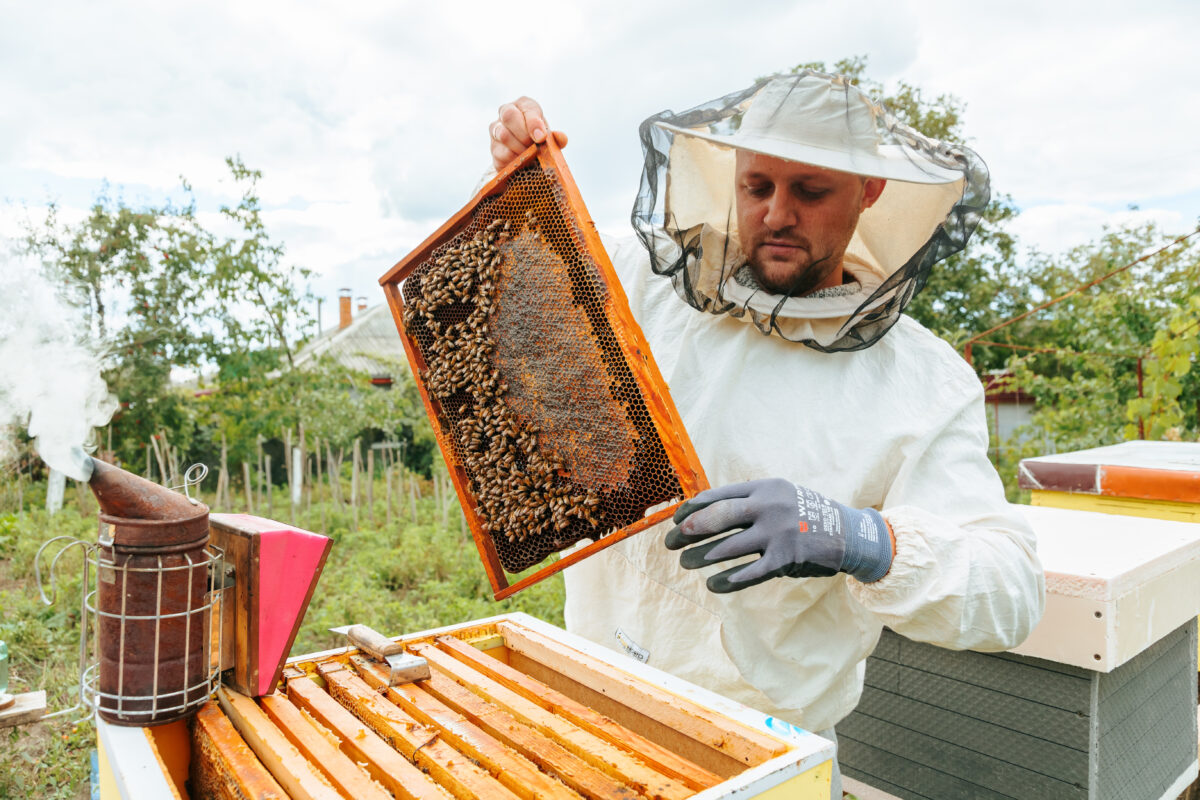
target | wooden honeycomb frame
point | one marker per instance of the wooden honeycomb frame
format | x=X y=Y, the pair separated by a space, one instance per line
x=656 y=411
x=513 y=709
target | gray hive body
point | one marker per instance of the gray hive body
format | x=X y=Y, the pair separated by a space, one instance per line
x=935 y=723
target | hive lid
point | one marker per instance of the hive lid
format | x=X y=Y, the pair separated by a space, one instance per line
x=1148 y=470
x=1115 y=584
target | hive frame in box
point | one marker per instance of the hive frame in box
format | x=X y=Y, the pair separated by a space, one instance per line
x=633 y=346
x=635 y=724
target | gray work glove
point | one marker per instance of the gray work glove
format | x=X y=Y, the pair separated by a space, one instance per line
x=795 y=531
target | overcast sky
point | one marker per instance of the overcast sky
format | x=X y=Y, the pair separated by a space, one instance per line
x=369 y=119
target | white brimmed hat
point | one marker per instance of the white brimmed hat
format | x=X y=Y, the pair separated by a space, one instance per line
x=829 y=124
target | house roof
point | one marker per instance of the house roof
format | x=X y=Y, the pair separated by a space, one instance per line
x=370 y=344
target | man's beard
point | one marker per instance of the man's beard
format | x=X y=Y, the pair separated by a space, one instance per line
x=806 y=280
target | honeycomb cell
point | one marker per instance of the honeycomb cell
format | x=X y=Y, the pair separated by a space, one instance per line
x=531 y=389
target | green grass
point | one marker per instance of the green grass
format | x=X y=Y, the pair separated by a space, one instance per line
x=398 y=578
x=48 y=759
x=406 y=577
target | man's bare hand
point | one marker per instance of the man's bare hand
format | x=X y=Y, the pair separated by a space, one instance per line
x=518 y=125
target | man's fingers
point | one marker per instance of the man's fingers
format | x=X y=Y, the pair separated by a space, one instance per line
x=560 y=139
x=740 y=577
x=696 y=557
x=708 y=497
x=505 y=137
x=719 y=517
x=735 y=545
x=535 y=119
x=524 y=120
x=501 y=155
x=738 y=545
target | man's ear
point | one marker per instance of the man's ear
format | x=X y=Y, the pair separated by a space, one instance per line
x=872 y=188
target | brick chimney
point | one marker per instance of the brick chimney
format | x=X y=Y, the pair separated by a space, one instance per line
x=345 y=317
x=362 y=304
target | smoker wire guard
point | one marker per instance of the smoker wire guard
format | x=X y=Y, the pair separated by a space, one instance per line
x=667 y=423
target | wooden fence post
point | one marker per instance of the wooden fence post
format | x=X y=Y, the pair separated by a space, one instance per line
x=258 y=443
x=287 y=458
x=317 y=461
x=354 y=470
x=224 y=500
x=248 y=486
x=304 y=459
x=333 y=468
x=308 y=483
x=387 y=486
x=414 y=493
x=370 y=485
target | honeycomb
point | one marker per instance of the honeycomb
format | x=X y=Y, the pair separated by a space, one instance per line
x=527 y=377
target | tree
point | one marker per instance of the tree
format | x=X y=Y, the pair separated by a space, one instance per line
x=248 y=273
x=1171 y=408
x=1148 y=311
x=334 y=404
x=162 y=293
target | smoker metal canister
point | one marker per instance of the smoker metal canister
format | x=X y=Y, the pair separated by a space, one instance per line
x=153 y=618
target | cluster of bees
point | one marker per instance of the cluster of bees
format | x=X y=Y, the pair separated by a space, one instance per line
x=515 y=483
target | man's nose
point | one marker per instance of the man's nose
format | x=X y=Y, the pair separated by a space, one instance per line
x=782 y=212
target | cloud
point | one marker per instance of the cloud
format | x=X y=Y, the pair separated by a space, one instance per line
x=370 y=121
x=1057 y=228
x=1071 y=102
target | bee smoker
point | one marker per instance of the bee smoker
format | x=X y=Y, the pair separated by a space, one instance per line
x=181 y=600
x=152 y=603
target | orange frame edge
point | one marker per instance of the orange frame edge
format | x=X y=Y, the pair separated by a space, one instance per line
x=667 y=422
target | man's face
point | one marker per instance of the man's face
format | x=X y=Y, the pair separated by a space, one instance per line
x=795 y=220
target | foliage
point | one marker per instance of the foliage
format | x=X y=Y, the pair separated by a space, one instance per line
x=1148 y=310
x=162 y=292
x=332 y=402
x=1171 y=378
x=248 y=274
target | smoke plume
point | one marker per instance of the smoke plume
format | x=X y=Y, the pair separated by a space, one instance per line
x=49 y=375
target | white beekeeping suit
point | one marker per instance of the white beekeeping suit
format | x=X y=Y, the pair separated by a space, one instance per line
x=838 y=393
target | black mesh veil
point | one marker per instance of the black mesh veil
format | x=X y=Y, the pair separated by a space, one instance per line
x=686 y=214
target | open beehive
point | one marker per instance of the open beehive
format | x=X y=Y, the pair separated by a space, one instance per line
x=513 y=708
x=551 y=415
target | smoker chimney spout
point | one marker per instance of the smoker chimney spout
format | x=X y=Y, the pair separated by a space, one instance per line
x=127 y=496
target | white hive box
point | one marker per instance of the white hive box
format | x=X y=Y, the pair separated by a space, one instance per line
x=1115 y=585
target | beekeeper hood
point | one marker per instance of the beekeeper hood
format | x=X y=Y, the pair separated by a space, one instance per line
x=686 y=213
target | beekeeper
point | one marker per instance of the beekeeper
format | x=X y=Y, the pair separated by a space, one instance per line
x=781 y=230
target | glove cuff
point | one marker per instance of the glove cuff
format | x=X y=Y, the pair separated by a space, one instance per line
x=868 y=554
